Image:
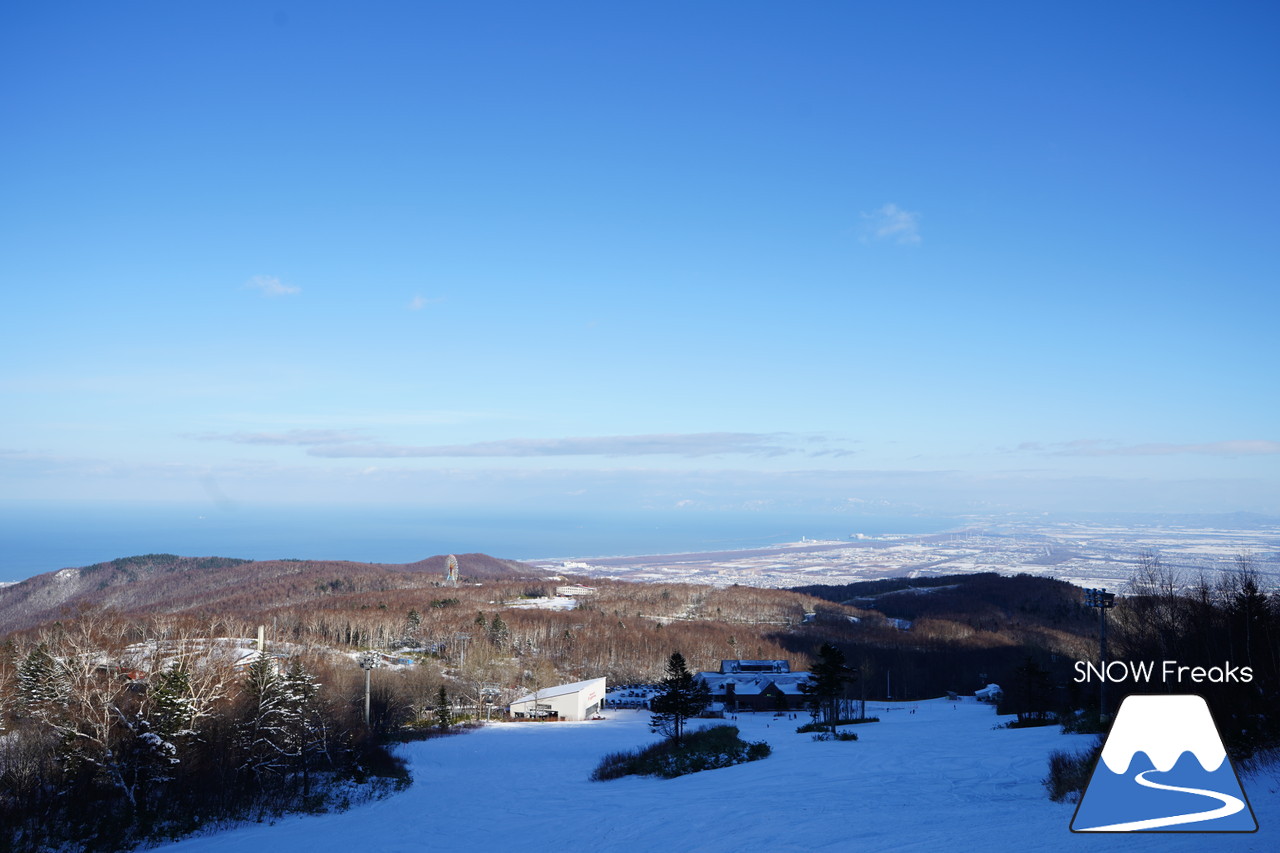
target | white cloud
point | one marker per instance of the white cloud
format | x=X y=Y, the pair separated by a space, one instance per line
x=892 y=224
x=355 y=444
x=688 y=445
x=1095 y=447
x=344 y=418
x=301 y=437
x=896 y=492
x=417 y=303
x=270 y=285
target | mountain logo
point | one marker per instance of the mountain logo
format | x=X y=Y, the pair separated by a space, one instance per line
x=1164 y=769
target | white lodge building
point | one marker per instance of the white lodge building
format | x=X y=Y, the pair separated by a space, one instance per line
x=578 y=701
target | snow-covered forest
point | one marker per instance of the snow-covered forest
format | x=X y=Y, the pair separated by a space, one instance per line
x=106 y=746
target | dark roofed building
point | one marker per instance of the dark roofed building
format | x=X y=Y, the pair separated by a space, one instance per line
x=735 y=666
x=756 y=685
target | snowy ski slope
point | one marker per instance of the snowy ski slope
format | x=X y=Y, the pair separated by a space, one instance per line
x=940 y=778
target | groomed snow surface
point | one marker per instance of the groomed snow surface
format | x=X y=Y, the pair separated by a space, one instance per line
x=940 y=778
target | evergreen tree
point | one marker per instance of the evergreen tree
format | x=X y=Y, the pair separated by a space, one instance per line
x=140 y=762
x=825 y=687
x=42 y=684
x=170 y=706
x=153 y=740
x=8 y=679
x=499 y=633
x=262 y=728
x=412 y=625
x=303 y=730
x=282 y=732
x=1249 y=615
x=1031 y=694
x=443 y=715
x=683 y=697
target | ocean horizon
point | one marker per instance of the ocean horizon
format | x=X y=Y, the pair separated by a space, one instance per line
x=36 y=539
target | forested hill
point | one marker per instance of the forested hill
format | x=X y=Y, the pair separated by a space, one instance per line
x=975 y=598
x=172 y=583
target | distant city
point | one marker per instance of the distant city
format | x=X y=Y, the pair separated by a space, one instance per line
x=1090 y=554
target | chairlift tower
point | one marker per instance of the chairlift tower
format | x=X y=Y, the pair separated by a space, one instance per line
x=489 y=694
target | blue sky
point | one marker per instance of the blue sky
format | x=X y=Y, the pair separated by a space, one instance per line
x=712 y=256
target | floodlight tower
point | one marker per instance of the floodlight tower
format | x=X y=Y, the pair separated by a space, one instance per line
x=1104 y=601
x=461 y=640
x=368 y=661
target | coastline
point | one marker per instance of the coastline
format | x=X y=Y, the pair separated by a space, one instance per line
x=1100 y=551
x=1097 y=555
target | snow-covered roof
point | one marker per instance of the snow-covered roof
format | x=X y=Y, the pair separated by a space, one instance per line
x=753 y=683
x=744 y=688
x=790 y=686
x=560 y=690
x=559 y=602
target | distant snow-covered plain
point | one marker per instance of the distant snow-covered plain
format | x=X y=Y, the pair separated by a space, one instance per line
x=1088 y=555
x=940 y=778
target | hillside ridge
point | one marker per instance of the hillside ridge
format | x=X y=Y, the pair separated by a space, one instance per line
x=172 y=583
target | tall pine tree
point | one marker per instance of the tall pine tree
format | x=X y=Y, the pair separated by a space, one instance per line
x=825 y=687
x=1031 y=694
x=170 y=708
x=42 y=684
x=302 y=724
x=262 y=727
x=444 y=716
x=682 y=697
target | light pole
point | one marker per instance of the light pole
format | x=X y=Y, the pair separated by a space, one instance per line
x=368 y=661
x=1104 y=601
x=462 y=649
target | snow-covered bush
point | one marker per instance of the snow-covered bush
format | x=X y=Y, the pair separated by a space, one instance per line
x=706 y=749
x=820 y=736
x=821 y=727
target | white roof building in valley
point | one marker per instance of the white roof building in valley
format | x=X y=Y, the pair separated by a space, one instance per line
x=580 y=700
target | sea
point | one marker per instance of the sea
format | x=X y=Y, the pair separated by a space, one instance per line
x=39 y=538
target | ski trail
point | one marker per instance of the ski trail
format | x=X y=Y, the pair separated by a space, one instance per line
x=1230 y=805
